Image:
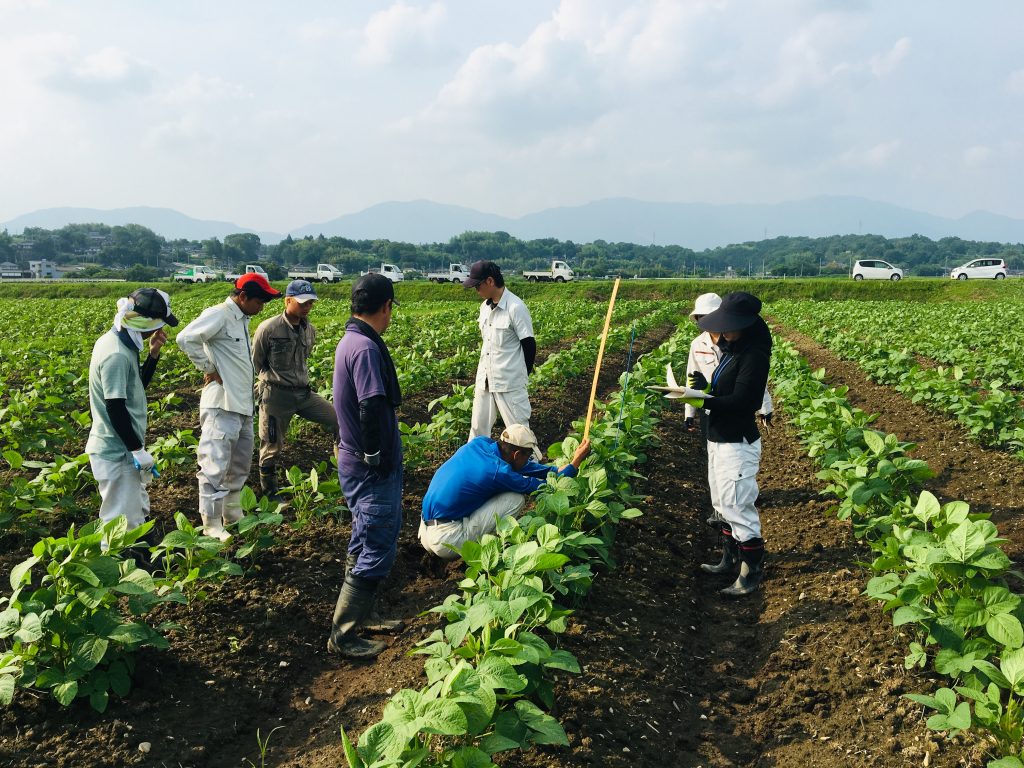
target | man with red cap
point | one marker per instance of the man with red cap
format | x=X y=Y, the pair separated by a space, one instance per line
x=217 y=342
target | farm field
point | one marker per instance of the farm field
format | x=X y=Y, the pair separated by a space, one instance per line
x=807 y=672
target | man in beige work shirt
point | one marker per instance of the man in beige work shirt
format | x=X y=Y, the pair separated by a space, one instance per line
x=217 y=343
x=280 y=355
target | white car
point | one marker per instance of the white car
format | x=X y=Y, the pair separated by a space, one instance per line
x=993 y=269
x=876 y=269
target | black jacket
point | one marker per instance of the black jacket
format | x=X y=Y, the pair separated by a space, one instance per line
x=738 y=386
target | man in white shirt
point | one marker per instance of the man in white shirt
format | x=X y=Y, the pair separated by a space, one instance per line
x=507 y=354
x=217 y=342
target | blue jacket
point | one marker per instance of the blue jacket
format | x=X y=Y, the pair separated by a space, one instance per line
x=475 y=474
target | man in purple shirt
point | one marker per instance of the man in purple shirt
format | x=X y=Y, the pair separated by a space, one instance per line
x=366 y=394
x=484 y=480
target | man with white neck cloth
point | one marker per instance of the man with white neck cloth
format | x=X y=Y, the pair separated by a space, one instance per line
x=117 y=402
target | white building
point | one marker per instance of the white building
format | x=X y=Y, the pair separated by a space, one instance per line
x=43 y=270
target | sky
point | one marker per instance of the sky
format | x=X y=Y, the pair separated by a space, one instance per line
x=274 y=115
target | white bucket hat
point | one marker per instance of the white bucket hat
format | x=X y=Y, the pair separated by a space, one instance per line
x=705 y=304
x=522 y=437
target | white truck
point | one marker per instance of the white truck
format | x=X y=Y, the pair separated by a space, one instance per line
x=249 y=269
x=195 y=275
x=325 y=273
x=560 y=272
x=456 y=274
x=390 y=271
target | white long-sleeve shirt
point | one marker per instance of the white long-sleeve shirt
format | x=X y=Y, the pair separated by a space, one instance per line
x=704 y=357
x=218 y=341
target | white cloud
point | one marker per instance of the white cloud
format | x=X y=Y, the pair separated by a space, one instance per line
x=403 y=32
x=198 y=89
x=111 y=71
x=876 y=157
x=884 y=63
x=977 y=156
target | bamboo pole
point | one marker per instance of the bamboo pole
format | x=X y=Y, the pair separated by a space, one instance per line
x=600 y=358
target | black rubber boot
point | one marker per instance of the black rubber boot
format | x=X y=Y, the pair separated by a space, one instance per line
x=730 y=554
x=355 y=602
x=374 y=622
x=751 y=569
x=268 y=484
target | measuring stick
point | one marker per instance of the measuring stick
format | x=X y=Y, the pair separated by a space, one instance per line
x=600 y=357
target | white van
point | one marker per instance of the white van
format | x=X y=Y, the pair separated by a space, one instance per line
x=876 y=269
x=993 y=269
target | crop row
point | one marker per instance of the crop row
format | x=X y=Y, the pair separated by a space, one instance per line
x=939 y=568
x=979 y=382
x=491 y=670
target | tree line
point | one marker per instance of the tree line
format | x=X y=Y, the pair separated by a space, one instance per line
x=147 y=255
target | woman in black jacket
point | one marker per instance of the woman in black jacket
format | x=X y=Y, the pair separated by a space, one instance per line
x=734 y=442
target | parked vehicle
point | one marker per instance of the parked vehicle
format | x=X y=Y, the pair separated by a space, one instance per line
x=195 y=275
x=875 y=269
x=390 y=271
x=560 y=272
x=993 y=269
x=325 y=273
x=249 y=269
x=456 y=274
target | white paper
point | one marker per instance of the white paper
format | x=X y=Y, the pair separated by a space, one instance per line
x=674 y=391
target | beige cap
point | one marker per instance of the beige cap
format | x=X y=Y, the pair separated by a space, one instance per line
x=522 y=437
x=706 y=304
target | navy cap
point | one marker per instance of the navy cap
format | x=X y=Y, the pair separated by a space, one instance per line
x=301 y=290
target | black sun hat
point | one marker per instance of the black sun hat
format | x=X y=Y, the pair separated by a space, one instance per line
x=154 y=304
x=738 y=310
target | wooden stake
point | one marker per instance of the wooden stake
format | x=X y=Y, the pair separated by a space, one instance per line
x=600 y=357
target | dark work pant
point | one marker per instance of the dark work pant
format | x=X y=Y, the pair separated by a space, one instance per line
x=376 y=506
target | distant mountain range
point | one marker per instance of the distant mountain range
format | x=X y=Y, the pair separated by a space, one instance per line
x=694 y=225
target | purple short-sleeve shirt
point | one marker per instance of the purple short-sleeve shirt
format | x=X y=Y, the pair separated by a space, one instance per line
x=358 y=376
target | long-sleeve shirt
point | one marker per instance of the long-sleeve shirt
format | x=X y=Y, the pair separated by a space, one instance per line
x=475 y=474
x=218 y=341
x=737 y=386
x=280 y=352
x=705 y=357
x=503 y=326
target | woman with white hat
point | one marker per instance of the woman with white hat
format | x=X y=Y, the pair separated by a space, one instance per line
x=736 y=389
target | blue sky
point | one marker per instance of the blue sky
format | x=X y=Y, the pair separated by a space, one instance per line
x=274 y=115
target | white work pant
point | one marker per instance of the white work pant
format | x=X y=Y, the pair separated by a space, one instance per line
x=225 y=458
x=732 y=478
x=513 y=406
x=122 y=490
x=437 y=538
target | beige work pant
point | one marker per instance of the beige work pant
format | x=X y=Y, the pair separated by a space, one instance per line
x=514 y=408
x=278 y=406
x=224 y=455
x=444 y=539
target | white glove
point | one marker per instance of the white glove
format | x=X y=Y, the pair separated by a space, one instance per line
x=143 y=460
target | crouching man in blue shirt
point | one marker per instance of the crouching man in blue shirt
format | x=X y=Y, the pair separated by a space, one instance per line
x=484 y=480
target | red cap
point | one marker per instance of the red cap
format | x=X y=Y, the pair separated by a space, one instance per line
x=256 y=285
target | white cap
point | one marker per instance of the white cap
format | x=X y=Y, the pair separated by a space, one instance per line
x=706 y=304
x=522 y=437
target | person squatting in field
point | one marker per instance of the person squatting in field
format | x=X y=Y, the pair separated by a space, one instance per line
x=485 y=480
x=217 y=342
x=366 y=396
x=117 y=402
x=280 y=354
x=705 y=355
x=736 y=391
x=506 y=355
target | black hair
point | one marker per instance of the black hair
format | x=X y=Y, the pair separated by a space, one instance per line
x=365 y=304
x=493 y=270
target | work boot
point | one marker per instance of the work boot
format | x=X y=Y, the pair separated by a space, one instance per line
x=212 y=512
x=751 y=569
x=730 y=553
x=233 y=507
x=268 y=484
x=140 y=550
x=374 y=622
x=354 y=604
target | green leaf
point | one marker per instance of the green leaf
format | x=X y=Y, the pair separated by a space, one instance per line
x=909 y=613
x=65 y=693
x=99 y=700
x=927 y=508
x=443 y=717
x=546 y=730
x=969 y=612
x=1005 y=629
x=6 y=689
x=19 y=573
x=10 y=620
x=380 y=742
x=82 y=573
x=497 y=672
x=964 y=542
x=874 y=441
x=119 y=679
x=350 y=751
x=87 y=652
x=1005 y=762
x=31 y=629
x=563 y=660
